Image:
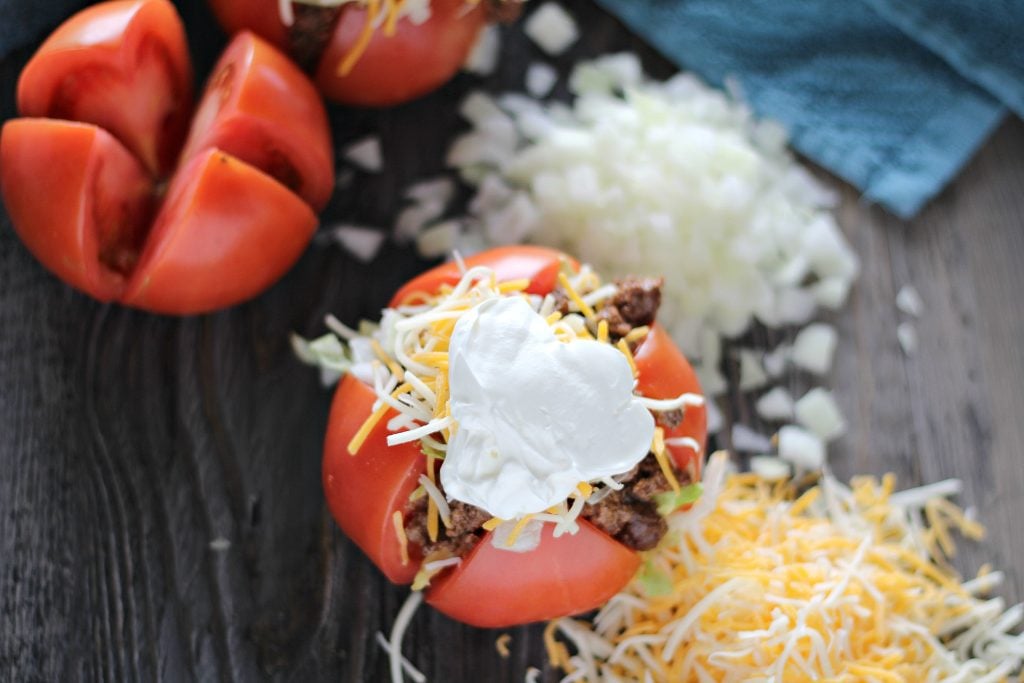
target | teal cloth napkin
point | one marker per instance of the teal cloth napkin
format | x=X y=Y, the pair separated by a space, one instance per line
x=892 y=95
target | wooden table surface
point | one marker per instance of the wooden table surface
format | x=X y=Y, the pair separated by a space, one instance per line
x=130 y=441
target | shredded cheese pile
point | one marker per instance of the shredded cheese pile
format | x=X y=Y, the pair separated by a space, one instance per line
x=761 y=583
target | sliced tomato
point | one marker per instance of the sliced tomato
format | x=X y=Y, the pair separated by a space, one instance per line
x=210 y=242
x=407 y=64
x=252 y=105
x=539 y=265
x=664 y=372
x=573 y=573
x=262 y=17
x=77 y=198
x=239 y=207
x=123 y=66
x=366 y=489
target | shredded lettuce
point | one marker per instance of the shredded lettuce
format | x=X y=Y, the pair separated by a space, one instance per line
x=671 y=500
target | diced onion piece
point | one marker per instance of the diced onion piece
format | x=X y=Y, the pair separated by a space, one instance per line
x=775 y=361
x=909 y=301
x=483 y=57
x=438 y=240
x=363 y=243
x=832 y=292
x=433 y=191
x=769 y=467
x=366 y=154
x=798 y=446
x=552 y=28
x=540 y=79
x=752 y=375
x=746 y=440
x=817 y=411
x=715 y=420
x=776 y=405
x=814 y=348
x=413 y=219
x=907 y=337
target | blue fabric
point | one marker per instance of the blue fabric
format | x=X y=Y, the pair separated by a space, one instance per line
x=856 y=82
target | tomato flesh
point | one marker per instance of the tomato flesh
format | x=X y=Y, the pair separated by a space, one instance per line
x=664 y=372
x=97 y=199
x=127 y=72
x=88 y=196
x=366 y=489
x=249 y=110
x=573 y=573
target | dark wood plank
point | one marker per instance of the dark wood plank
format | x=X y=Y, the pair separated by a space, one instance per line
x=133 y=441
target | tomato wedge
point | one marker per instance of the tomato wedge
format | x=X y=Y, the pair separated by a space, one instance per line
x=573 y=573
x=491 y=587
x=365 y=490
x=396 y=64
x=103 y=191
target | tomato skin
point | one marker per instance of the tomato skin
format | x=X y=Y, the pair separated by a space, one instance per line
x=540 y=265
x=664 y=372
x=574 y=573
x=492 y=587
x=364 y=490
x=397 y=68
x=87 y=196
x=249 y=110
x=69 y=189
x=225 y=232
x=93 y=66
x=414 y=60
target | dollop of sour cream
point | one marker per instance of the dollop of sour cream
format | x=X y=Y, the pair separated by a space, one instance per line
x=535 y=416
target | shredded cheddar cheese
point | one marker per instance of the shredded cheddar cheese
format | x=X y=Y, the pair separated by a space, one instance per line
x=403 y=540
x=760 y=583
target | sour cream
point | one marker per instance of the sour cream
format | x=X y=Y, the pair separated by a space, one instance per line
x=535 y=416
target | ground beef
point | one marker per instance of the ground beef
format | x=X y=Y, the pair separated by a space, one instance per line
x=630 y=515
x=465 y=532
x=634 y=305
x=669 y=419
x=504 y=11
x=309 y=35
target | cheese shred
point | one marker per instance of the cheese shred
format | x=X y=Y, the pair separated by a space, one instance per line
x=760 y=582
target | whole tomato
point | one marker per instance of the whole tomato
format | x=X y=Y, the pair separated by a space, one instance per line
x=116 y=188
x=357 y=53
x=491 y=587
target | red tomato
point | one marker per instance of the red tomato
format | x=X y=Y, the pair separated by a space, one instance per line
x=98 y=199
x=573 y=573
x=393 y=68
x=491 y=587
x=539 y=265
x=664 y=372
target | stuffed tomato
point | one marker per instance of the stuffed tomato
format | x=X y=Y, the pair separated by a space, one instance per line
x=511 y=436
x=121 y=191
x=370 y=52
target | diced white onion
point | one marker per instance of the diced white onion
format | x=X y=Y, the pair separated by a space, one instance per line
x=817 y=411
x=776 y=405
x=769 y=467
x=814 y=348
x=746 y=440
x=363 y=243
x=438 y=240
x=540 y=79
x=483 y=57
x=802 y=448
x=909 y=301
x=907 y=337
x=552 y=28
x=752 y=375
x=366 y=154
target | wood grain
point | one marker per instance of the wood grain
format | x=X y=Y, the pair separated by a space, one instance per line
x=131 y=441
